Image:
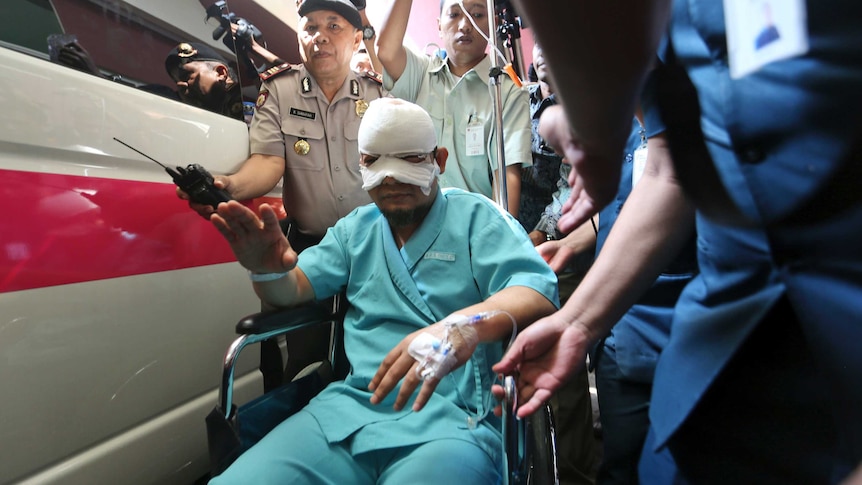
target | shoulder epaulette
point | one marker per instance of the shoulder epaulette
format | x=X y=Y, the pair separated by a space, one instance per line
x=374 y=76
x=275 y=71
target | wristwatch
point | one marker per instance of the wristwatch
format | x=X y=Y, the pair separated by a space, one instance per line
x=367 y=32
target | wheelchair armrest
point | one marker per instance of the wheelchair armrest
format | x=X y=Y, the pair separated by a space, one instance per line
x=283 y=319
x=261 y=326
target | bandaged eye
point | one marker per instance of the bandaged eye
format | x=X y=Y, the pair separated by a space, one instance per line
x=414 y=158
x=411 y=158
x=367 y=159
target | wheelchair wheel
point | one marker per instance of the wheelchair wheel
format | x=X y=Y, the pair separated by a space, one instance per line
x=541 y=448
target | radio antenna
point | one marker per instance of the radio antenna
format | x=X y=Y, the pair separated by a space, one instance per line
x=142 y=153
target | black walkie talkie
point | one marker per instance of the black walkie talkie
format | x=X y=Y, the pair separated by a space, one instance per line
x=193 y=180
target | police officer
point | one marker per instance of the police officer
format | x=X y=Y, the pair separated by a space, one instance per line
x=205 y=79
x=305 y=130
x=306 y=123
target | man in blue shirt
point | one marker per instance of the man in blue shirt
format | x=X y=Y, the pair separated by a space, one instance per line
x=759 y=382
x=407 y=262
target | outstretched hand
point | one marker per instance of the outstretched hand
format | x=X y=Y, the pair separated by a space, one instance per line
x=543 y=357
x=557 y=254
x=400 y=364
x=595 y=174
x=257 y=242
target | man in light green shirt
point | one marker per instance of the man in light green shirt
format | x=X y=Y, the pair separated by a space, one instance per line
x=456 y=92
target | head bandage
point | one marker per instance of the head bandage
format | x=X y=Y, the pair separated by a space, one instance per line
x=392 y=127
x=421 y=175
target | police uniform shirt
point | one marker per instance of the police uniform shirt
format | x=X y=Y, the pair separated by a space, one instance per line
x=318 y=140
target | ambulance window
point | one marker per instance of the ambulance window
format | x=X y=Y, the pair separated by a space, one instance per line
x=125 y=41
x=35 y=21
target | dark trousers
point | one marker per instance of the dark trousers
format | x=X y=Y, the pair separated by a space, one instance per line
x=573 y=412
x=767 y=418
x=625 y=420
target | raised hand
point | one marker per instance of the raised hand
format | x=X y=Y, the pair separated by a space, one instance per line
x=257 y=242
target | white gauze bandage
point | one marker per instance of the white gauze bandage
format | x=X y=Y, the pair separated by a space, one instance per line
x=421 y=175
x=438 y=356
x=391 y=128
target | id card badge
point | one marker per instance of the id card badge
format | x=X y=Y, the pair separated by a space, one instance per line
x=638 y=164
x=760 y=32
x=475 y=137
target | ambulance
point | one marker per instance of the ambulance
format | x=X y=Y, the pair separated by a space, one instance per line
x=117 y=301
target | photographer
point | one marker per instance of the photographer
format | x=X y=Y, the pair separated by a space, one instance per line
x=260 y=53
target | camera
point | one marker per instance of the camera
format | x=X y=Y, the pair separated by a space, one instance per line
x=245 y=30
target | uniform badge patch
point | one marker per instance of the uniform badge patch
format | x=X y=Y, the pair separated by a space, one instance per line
x=261 y=98
x=361 y=107
x=301 y=147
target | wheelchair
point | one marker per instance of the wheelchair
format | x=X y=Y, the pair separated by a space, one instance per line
x=529 y=444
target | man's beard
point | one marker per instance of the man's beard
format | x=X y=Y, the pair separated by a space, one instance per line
x=406 y=217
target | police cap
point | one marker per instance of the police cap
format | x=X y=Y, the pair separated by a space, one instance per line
x=341 y=7
x=186 y=52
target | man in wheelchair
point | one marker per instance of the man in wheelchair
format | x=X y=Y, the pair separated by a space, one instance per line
x=435 y=280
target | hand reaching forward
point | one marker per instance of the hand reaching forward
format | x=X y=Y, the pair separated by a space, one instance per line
x=399 y=363
x=257 y=242
x=557 y=254
x=595 y=174
x=543 y=357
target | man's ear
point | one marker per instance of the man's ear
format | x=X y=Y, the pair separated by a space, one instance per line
x=357 y=40
x=222 y=71
x=442 y=156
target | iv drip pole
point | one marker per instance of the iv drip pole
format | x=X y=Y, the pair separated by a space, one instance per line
x=512 y=33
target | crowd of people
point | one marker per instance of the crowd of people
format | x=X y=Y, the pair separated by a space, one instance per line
x=686 y=191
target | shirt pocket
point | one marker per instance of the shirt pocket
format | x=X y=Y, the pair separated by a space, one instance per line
x=311 y=131
x=351 y=136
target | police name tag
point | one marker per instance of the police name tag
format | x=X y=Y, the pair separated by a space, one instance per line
x=302 y=113
x=760 y=32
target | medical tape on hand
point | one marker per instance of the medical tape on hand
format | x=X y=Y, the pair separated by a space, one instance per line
x=437 y=356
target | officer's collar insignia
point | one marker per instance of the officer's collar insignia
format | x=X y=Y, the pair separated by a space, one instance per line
x=354 y=87
x=275 y=70
x=306 y=84
x=374 y=76
x=186 y=50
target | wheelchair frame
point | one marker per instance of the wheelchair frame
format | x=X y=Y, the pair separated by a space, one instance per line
x=529 y=444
